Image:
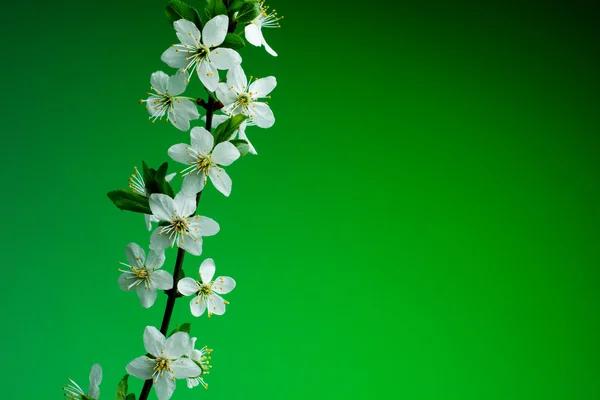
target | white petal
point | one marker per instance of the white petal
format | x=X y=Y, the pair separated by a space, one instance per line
x=221 y=180
x=236 y=77
x=181 y=153
x=262 y=87
x=185 y=205
x=217 y=119
x=148 y=220
x=156 y=259
x=207 y=270
x=254 y=35
x=124 y=281
x=185 y=108
x=162 y=206
x=187 y=286
x=175 y=57
x=224 y=58
x=154 y=341
x=161 y=280
x=242 y=135
x=185 y=368
x=178 y=82
x=152 y=108
x=177 y=345
x=191 y=245
x=187 y=32
x=164 y=386
x=216 y=304
x=193 y=184
x=197 y=306
x=192 y=383
x=225 y=153
x=96 y=376
x=141 y=368
x=160 y=241
x=208 y=74
x=206 y=226
x=178 y=122
x=226 y=94
x=170 y=177
x=215 y=30
x=135 y=255
x=159 y=81
x=147 y=295
x=223 y=285
x=261 y=114
x=269 y=48
x=202 y=140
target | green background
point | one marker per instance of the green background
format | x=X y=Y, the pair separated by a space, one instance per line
x=421 y=222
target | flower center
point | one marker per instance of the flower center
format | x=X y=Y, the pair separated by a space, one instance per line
x=203 y=163
x=244 y=99
x=267 y=18
x=141 y=273
x=205 y=289
x=179 y=225
x=162 y=365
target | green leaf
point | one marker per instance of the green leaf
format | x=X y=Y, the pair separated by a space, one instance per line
x=183 y=328
x=122 y=388
x=177 y=9
x=225 y=131
x=155 y=180
x=214 y=8
x=233 y=41
x=248 y=11
x=242 y=146
x=130 y=201
x=130 y=396
x=84 y=397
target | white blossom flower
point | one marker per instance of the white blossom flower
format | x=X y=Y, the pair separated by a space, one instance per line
x=202 y=161
x=205 y=56
x=144 y=275
x=239 y=96
x=183 y=228
x=166 y=99
x=265 y=19
x=205 y=290
x=239 y=133
x=137 y=185
x=201 y=357
x=74 y=392
x=166 y=363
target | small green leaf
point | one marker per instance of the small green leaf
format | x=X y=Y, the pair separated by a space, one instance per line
x=183 y=328
x=130 y=396
x=161 y=180
x=84 y=397
x=129 y=201
x=242 y=146
x=214 y=8
x=233 y=41
x=177 y=9
x=248 y=11
x=122 y=389
x=225 y=131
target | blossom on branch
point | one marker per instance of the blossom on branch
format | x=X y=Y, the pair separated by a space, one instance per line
x=74 y=392
x=265 y=19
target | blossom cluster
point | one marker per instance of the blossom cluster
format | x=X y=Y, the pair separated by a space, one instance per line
x=207 y=50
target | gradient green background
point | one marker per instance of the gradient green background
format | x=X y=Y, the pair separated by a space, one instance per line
x=421 y=222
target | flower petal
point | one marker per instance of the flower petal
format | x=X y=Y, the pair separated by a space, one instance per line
x=215 y=30
x=141 y=368
x=187 y=32
x=160 y=241
x=181 y=153
x=178 y=82
x=193 y=184
x=223 y=285
x=154 y=341
x=197 y=306
x=185 y=368
x=226 y=94
x=191 y=245
x=208 y=74
x=261 y=114
x=185 y=108
x=177 y=345
x=217 y=119
x=161 y=280
x=148 y=220
x=156 y=259
x=269 y=48
x=236 y=77
x=202 y=140
x=179 y=122
x=216 y=304
x=124 y=281
x=164 y=386
x=152 y=106
x=254 y=35
x=159 y=81
x=206 y=226
x=135 y=255
x=225 y=153
x=262 y=87
x=162 y=206
x=221 y=180
x=242 y=135
x=223 y=58
x=185 y=205
x=147 y=295
x=187 y=286
x=95 y=381
x=175 y=56
x=207 y=270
